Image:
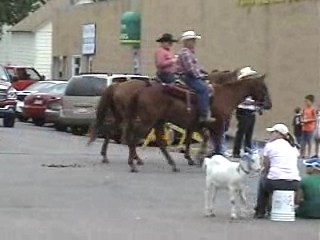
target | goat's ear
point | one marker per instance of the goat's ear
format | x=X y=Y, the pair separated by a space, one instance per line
x=249 y=150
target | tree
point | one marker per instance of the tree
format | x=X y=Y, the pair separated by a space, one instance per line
x=13 y=11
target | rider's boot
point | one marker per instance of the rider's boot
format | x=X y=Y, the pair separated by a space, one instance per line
x=206 y=119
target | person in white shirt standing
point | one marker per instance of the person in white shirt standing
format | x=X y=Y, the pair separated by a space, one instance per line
x=280 y=162
x=246 y=117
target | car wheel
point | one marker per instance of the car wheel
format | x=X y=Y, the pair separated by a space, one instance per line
x=9 y=121
x=76 y=131
x=22 y=118
x=38 y=121
x=60 y=127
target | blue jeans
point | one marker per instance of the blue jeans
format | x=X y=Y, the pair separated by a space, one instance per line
x=202 y=92
x=166 y=77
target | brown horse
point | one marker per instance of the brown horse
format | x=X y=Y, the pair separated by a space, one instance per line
x=106 y=107
x=153 y=107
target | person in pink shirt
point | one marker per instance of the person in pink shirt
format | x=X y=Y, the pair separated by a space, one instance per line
x=165 y=60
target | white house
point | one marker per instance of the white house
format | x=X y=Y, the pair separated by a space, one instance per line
x=29 y=42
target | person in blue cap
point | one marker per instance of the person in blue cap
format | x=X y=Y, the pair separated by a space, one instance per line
x=308 y=195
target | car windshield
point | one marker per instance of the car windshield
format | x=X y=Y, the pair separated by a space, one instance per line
x=3 y=75
x=40 y=86
x=86 y=86
x=59 y=88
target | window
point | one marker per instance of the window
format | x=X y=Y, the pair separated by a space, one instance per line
x=3 y=75
x=86 y=86
x=40 y=86
x=32 y=74
x=59 y=88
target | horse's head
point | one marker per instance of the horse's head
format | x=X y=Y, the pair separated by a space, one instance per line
x=260 y=92
x=253 y=159
x=222 y=77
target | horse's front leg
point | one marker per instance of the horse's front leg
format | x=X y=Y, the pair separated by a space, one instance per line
x=159 y=131
x=187 y=155
x=203 y=146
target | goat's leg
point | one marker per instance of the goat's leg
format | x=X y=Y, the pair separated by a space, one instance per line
x=187 y=155
x=210 y=194
x=243 y=200
x=232 y=192
x=104 y=148
x=159 y=133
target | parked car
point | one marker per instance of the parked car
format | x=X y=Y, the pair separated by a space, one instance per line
x=43 y=87
x=35 y=104
x=23 y=76
x=81 y=98
x=8 y=98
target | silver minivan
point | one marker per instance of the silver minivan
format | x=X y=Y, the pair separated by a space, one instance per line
x=81 y=97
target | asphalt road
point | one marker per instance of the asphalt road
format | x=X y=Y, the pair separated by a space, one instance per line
x=93 y=201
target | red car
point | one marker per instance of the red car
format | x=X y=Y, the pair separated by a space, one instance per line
x=22 y=76
x=35 y=104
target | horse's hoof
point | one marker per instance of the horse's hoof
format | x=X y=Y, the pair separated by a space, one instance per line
x=175 y=169
x=105 y=161
x=233 y=217
x=210 y=214
x=191 y=163
x=140 y=162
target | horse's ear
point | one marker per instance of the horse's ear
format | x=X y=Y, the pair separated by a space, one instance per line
x=263 y=77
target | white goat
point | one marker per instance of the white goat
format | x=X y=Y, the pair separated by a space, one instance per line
x=224 y=174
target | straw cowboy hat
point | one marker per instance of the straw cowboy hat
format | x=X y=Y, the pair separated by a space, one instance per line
x=246 y=72
x=280 y=127
x=189 y=35
x=166 y=37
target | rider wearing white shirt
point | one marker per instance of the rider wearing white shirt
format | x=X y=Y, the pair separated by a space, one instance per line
x=280 y=166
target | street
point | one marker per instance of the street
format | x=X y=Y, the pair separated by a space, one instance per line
x=92 y=201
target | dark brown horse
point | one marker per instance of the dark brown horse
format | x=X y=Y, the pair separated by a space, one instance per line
x=117 y=112
x=153 y=107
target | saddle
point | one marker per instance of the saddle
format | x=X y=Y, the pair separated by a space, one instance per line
x=180 y=90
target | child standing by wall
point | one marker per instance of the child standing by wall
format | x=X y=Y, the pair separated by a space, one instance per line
x=297 y=125
x=317 y=134
x=309 y=124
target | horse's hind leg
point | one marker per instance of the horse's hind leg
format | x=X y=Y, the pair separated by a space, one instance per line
x=159 y=131
x=188 y=143
x=104 y=149
x=137 y=158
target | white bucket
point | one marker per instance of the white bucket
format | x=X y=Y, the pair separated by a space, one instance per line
x=283 y=206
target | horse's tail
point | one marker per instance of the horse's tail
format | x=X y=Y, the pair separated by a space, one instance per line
x=105 y=103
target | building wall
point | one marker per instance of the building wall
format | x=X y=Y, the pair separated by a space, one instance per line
x=279 y=39
x=110 y=55
x=43 y=50
x=5 y=45
x=22 y=48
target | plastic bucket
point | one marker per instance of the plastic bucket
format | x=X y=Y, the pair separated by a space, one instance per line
x=283 y=206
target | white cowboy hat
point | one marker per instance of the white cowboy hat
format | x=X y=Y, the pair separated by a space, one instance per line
x=280 y=127
x=189 y=35
x=246 y=71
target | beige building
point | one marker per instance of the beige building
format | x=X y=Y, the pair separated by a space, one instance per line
x=278 y=37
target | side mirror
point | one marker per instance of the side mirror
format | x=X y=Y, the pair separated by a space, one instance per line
x=43 y=77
